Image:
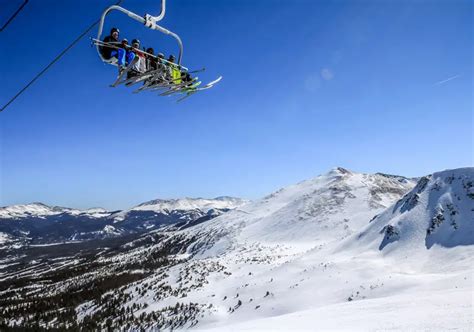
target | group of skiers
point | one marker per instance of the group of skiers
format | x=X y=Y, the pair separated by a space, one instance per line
x=141 y=62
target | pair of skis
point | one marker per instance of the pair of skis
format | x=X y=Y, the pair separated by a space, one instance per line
x=197 y=89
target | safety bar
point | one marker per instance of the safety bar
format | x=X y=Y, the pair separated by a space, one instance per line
x=149 y=21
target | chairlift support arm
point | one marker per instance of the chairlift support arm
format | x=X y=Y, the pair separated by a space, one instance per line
x=149 y=21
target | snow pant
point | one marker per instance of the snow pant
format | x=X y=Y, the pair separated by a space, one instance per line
x=123 y=57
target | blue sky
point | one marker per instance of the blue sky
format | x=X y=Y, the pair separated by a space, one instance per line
x=373 y=86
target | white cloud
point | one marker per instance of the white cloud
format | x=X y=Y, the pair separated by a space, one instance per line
x=327 y=74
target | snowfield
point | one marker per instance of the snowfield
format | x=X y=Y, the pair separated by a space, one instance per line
x=448 y=310
x=343 y=251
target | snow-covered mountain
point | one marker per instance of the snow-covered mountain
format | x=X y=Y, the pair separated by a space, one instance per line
x=264 y=263
x=308 y=256
x=438 y=211
x=193 y=207
x=40 y=210
x=329 y=207
x=165 y=206
x=39 y=223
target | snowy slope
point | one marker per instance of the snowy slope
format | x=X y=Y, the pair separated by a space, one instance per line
x=265 y=258
x=438 y=211
x=443 y=310
x=329 y=207
x=278 y=263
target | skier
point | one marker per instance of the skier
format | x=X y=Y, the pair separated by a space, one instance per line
x=139 y=66
x=174 y=71
x=189 y=84
x=155 y=65
x=111 y=39
x=186 y=77
x=151 y=62
x=161 y=66
x=117 y=50
x=161 y=61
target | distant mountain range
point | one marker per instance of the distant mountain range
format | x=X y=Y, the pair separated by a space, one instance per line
x=343 y=250
x=38 y=223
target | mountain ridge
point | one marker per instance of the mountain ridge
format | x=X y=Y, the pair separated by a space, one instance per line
x=41 y=223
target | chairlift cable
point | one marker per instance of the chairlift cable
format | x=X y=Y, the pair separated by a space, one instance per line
x=14 y=15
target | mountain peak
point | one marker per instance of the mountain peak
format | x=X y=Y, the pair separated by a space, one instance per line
x=340 y=171
x=20 y=210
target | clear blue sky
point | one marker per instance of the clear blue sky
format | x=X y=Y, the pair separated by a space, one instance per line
x=373 y=86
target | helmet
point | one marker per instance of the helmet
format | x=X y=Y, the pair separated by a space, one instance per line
x=135 y=41
x=171 y=57
x=125 y=41
x=150 y=50
x=160 y=55
x=114 y=30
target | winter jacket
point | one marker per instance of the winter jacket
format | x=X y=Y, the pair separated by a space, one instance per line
x=140 y=65
x=175 y=74
x=105 y=50
x=152 y=64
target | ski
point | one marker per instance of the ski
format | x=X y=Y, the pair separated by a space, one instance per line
x=194 y=90
x=152 y=81
x=167 y=84
x=152 y=85
x=143 y=76
x=205 y=86
x=179 y=88
x=124 y=72
x=211 y=84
